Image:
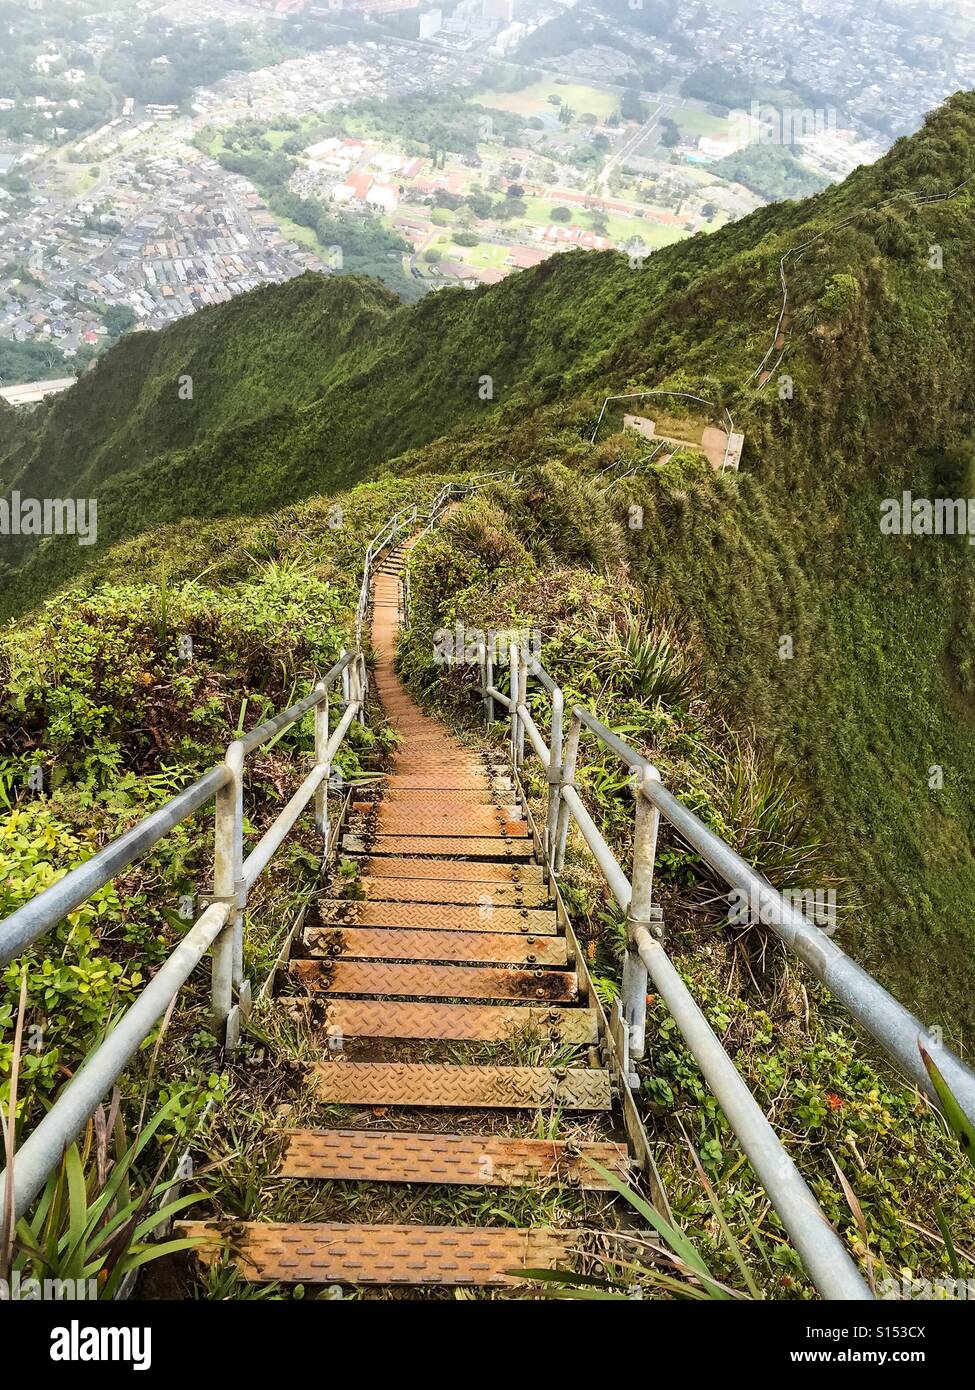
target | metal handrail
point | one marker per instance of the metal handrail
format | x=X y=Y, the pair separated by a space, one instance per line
x=404 y=519
x=220 y=925
x=824 y=1254
x=35 y=918
x=888 y=1022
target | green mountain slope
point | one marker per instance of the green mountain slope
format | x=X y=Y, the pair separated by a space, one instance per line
x=306 y=388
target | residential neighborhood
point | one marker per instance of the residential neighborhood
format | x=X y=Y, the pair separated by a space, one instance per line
x=118 y=210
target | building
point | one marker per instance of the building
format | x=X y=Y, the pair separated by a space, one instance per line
x=430 y=23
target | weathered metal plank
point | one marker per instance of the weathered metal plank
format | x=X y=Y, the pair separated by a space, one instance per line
x=451 y=1087
x=457 y=871
x=393 y=1018
x=427 y=890
x=467 y=1160
x=438 y=916
x=392 y=943
x=315 y=1253
x=466 y=825
x=480 y=847
x=378 y=977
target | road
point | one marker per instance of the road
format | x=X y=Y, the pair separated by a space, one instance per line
x=30 y=392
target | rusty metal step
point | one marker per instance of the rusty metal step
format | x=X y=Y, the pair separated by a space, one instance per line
x=391 y=943
x=395 y=1018
x=428 y=1085
x=476 y=798
x=486 y=847
x=438 y=917
x=454 y=870
x=315 y=1253
x=428 y=890
x=461 y=825
x=423 y=782
x=376 y=977
x=467 y=1160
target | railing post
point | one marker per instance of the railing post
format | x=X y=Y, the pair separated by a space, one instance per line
x=513 y=673
x=321 y=747
x=567 y=780
x=640 y=914
x=346 y=679
x=361 y=686
x=228 y=886
x=554 y=780
x=488 y=679
x=522 y=699
x=482 y=667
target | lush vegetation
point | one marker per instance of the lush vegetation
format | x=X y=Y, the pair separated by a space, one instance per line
x=111 y=699
x=303 y=388
x=33 y=362
x=771 y=171
x=695 y=608
x=556 y=555
x=423 y=123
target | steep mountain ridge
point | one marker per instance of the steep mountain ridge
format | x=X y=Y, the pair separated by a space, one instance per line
x=872 y=397
x=306 y=387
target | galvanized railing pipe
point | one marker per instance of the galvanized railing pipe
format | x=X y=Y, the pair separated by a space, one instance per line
x=276 y=834
x=826 y=1258
x=529 y=727
x=30 y=922
x=499 y=697
x=270 y=727
x=228 y=887
x=892 y=1025
x=41 y=1151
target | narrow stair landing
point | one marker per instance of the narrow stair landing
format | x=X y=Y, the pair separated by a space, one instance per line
x=456 y=1034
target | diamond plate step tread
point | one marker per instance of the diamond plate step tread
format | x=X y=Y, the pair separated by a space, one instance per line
x=423 y=783
x=394 y=1018
x=466 y=1160
x=390 y=943
x=438 y=917
x=457 y=871
x=485 y=847
x=436 y=981
x=478 y=800
x=316 y=1253
x=432 y=1086
x=471 y=826
x=427 y=890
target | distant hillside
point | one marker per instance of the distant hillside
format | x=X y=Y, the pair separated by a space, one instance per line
x=306 y=388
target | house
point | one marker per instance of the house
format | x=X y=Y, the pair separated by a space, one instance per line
x=383 y=196
x=524 y=257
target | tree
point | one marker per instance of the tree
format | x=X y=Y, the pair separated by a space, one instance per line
x=670 y=133
x=118 y=319
x=632 y=108
x=480 y=204
x=514 y=190
x=561 y=214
